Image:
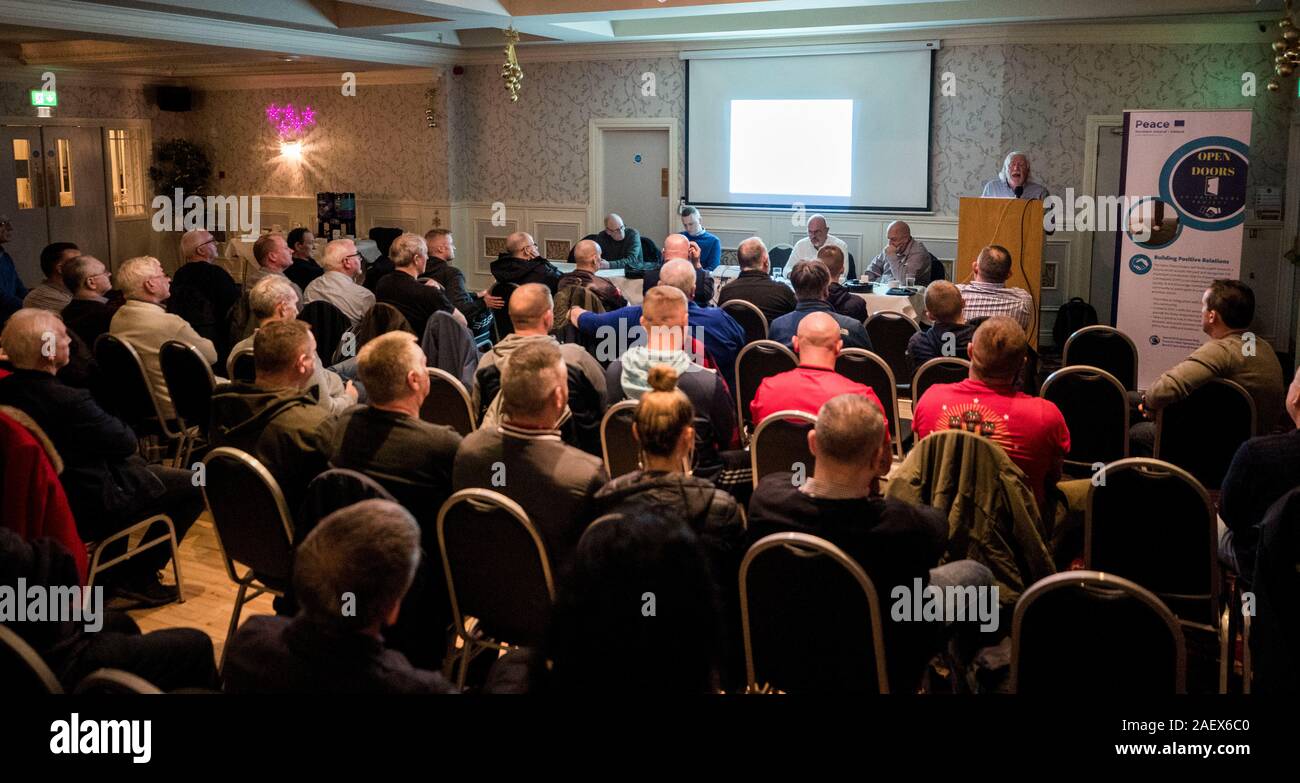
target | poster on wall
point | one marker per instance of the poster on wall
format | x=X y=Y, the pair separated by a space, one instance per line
x=1183 y=181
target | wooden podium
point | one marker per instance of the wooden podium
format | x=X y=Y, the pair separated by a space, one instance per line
x=1017 y=225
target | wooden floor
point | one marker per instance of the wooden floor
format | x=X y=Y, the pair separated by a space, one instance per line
x=209 y=594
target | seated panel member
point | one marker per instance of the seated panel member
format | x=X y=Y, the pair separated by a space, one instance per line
x=818 y=237
x=620 y=246
x=710 y=246
x=903 y=258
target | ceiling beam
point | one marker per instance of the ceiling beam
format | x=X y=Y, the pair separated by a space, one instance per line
x=152 y=24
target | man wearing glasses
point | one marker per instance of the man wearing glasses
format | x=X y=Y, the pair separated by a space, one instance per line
x=523 y=263
x=203 y=292
x=90 y=312
x=337 y=286
x=12 y=290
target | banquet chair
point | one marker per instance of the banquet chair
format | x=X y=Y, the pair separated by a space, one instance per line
x=448 y=403
x=889 y=333
x=871 y=370
x=780 y=443
x=619 y=447
x=1104 y=347
x=941 y=369
x=750 y=318
x=756 y=361
x=1096 y=409
x=1202 y=432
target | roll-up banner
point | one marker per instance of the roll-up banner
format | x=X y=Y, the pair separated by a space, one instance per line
x=1183 y=181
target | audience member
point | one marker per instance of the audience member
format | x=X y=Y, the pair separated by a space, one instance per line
x=676 y=247
x=12 y=290
x=274 y=299
x=1263 y=470
x=275 y=418
x=337 y=285
x=532 y=312
x=943 y=309
x=989 y=294
x=895 y=543
x=522 y=262
x=108 y=485
x=142 y=322
x=586 y=260
x=442 y=251
x=1232 y=352
x=755 y=284
x=302 y=269
x=524 y=459
x=402 y=288
x=844 y=301
x=273 y=257
x=1031 y=430
x=812 y=281
x=200 y=276
x=710 y=246
x=51 y=293
x=90 y=312
x=350 y=575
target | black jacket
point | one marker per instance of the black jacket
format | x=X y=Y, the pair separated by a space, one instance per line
x=452 y=281
x=847 y=303
x=302 y=271
x=412 y=298
x=508 y=269
x=102 y=471
x=756 y=287
x=703 y=285
x=927 y=345
x=89 y=318
x=711 y=512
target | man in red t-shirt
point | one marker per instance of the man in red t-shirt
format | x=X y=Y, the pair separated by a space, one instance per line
x=814 y=381
x=1031 y=430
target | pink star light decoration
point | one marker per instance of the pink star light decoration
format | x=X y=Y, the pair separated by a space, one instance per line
x=288 y=121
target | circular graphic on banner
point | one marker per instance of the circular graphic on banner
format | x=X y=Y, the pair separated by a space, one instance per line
x=1154 y=219
x=1205 y=180
x=637 y=159
x=1140 y=264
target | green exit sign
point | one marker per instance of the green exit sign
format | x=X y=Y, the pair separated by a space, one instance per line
x=45 y=98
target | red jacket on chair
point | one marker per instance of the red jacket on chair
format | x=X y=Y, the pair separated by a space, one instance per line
x=35 y=506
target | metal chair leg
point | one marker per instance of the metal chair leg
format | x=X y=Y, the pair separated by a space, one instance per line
x=234 y=624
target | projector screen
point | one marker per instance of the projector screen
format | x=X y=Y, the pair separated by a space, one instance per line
x=838 y=131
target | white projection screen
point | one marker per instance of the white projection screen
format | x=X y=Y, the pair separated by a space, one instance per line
x=829 y=131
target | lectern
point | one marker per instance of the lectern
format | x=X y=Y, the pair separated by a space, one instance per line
x=1017 y=225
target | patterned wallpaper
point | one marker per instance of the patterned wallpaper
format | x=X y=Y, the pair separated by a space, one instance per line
x=536 y=150
x=1034 y=98
x=1038 y=98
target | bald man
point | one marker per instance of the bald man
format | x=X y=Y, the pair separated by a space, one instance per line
x=722 y=336
x=818 y=236
x=902 y=259
x=620 y=246
x=202 y=291
x=522 y=262
x=677 y=246
x=587 y=260
x=807 y=387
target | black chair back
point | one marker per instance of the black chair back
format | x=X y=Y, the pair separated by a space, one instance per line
x=757 y=361
x=189 y=382
x=943 y=369
x=869 y=369
x=332 y=490
x=1152 y=522
x=796 y=591
x=129 y=396
x=114 y=681
x=243 y=367
x=250 y=516
x=328 y=324
x=1275 y=630
x=889 y=333
x=1202 y=432
x=777 y=256
x=618 y=445
x=1086 y=633
x=496 y=565
x=1104 y=347
x=650 y=251
x=1095 y=406
x=22 y=670
x=750 y=318
x=501 y=323
x=937 y=272
x=780 y=443
x=448 y=403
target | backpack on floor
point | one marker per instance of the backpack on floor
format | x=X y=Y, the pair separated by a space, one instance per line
x=1073 y=316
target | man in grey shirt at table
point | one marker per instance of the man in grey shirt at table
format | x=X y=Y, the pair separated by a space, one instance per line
x=903 y=258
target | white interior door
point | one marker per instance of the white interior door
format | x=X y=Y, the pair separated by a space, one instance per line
x=22 y=197
x=635 y=180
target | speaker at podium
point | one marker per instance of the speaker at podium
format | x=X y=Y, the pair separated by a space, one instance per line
x=1017 y=225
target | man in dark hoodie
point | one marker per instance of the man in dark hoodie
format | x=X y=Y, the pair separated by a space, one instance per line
x=277 y=419
x=523 y=263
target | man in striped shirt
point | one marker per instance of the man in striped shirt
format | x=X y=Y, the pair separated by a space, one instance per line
x=989 y=294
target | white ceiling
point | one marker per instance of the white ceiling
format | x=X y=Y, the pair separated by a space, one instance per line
x=206 y=37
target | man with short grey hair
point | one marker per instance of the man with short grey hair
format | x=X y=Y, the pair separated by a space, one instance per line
x=403 y=289
x=337 y=286
x=275 y=298
x=522 y=262
x=587 y=261
x=755 y=284
x=202 y=292
x=143 y=322
x=818 y=237
x=350 y=575
x=90 y=312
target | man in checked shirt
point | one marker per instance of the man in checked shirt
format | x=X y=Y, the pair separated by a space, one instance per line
x=988 y=294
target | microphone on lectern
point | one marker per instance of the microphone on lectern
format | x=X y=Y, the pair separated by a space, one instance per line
x=1020 y=190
